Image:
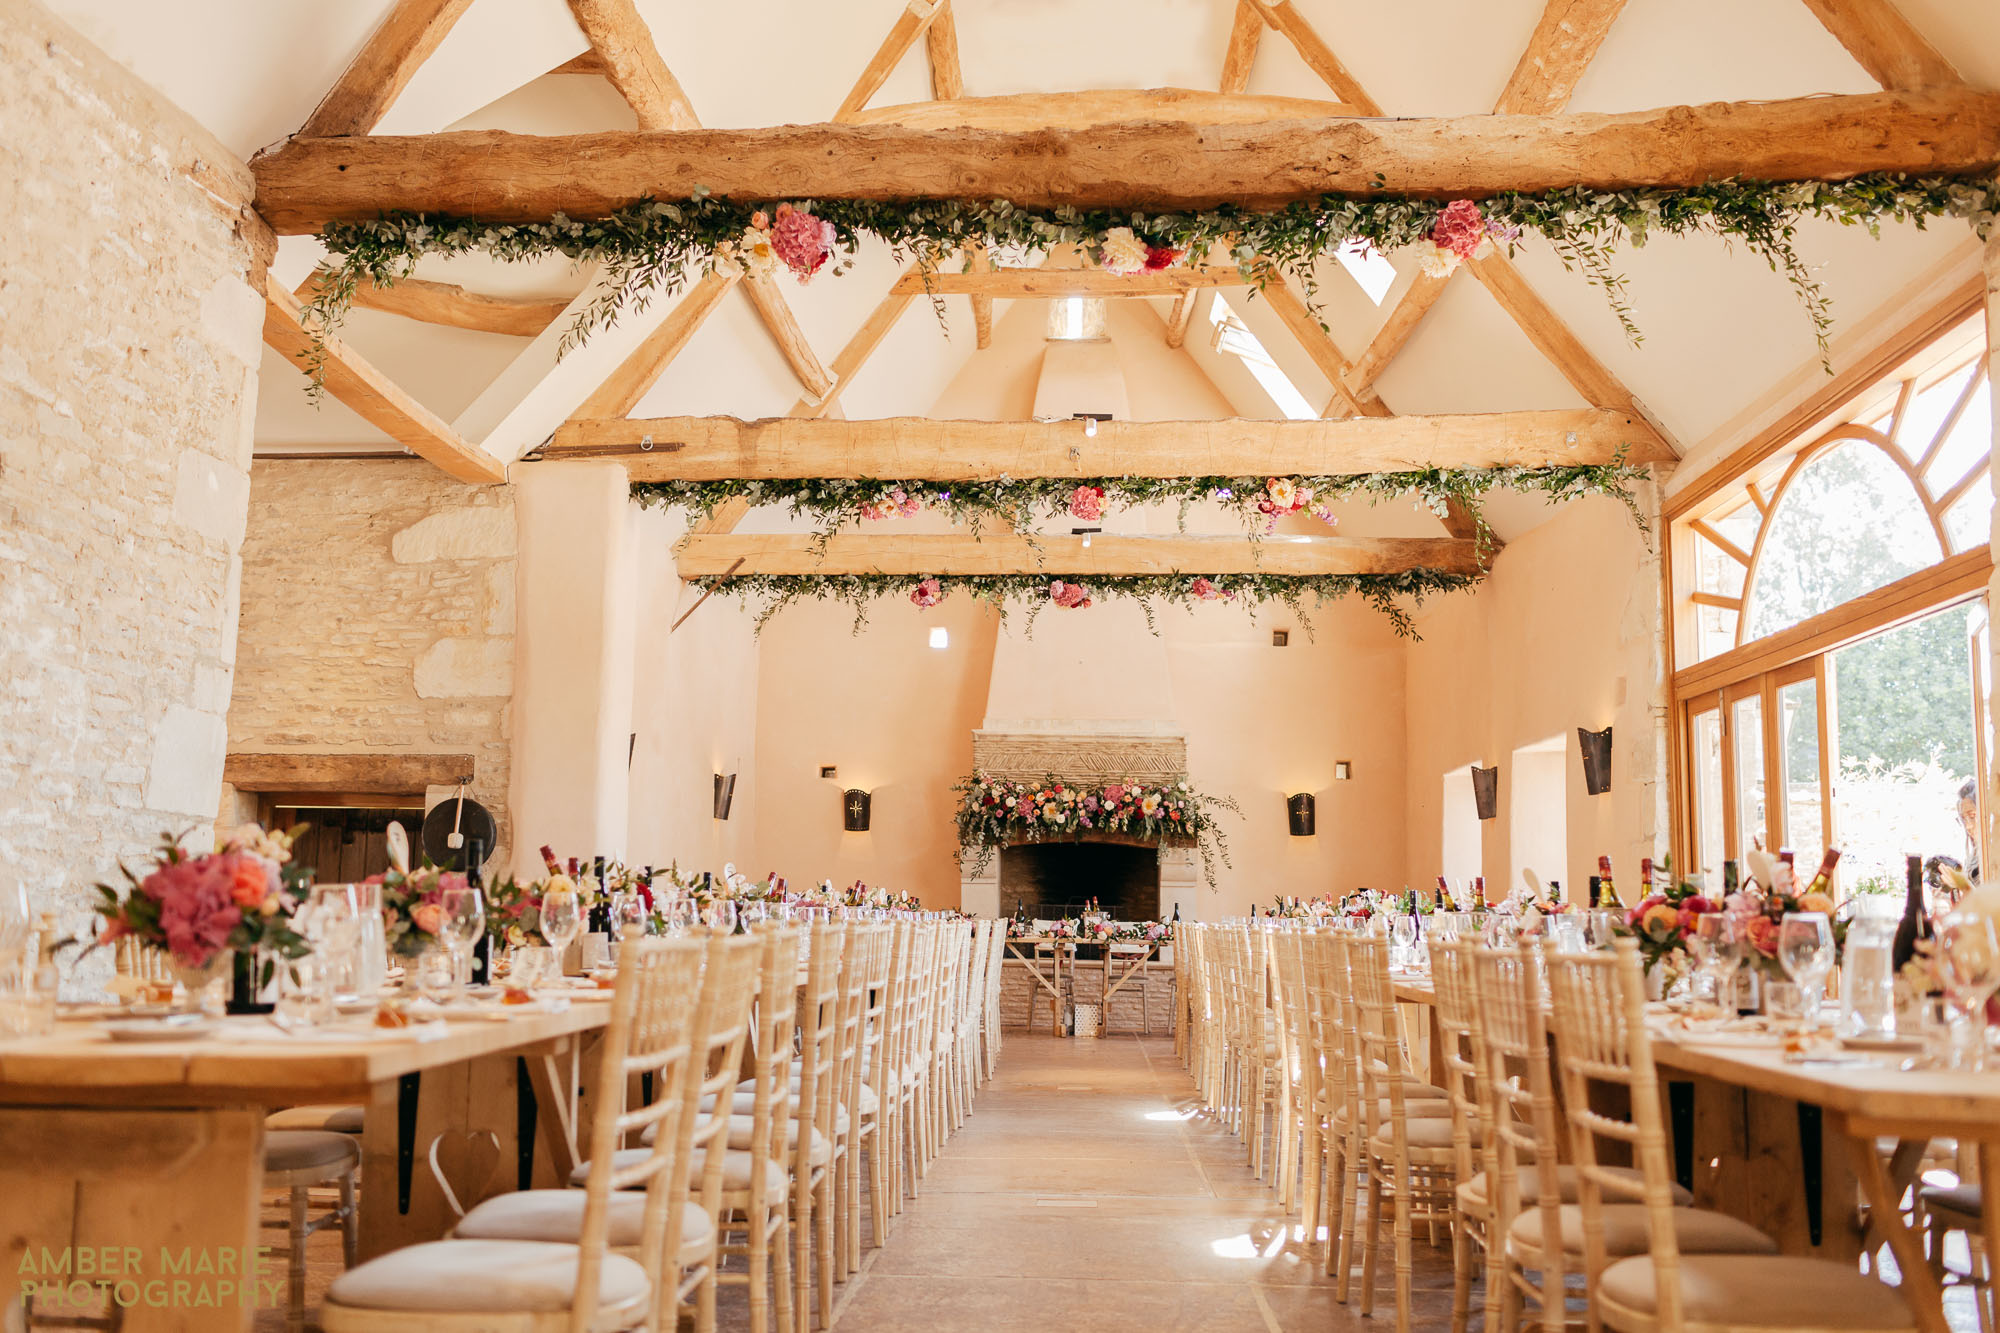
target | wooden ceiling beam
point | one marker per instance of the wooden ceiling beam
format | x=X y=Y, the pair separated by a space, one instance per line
x=1564 y=43
x=1287 y=22
x=382 y=69
x=500 y=177
x=451 y=305
x=621 y=391
x=941 y=51
x=1019 y=283
x=920 y=448
x=1029 y=112
x=1317 y=342
x=920 y=555
x=762 y=289
x=632 y=61
x=1885 y=43
x=912 y=23
x=1246 y=32
x=353 y=381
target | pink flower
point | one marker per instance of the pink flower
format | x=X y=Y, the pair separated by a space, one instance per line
x=1763 y=933
x=1205 y=589
x=1071 y=596
x=197 y=909
x=427 y=917
x=1460 y=229
x=1159 y=257
x=801 y=240
x=1087 y=502
x=761 y=220
x=927 y=593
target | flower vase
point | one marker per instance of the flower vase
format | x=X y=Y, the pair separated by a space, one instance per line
x=196 y=981
x=1656 y=984
x=243 y=987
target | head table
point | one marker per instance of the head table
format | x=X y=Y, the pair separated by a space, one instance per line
x=1789 y=1145
x=144 y=1162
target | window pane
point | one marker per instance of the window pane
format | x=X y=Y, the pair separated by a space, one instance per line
x=1707 y=736
x=1849 y=523
x=1927 y=411
x=1969 y=523
x=1715 y=630
x=1970 y=441
x=1904 y=745
x=1798 y=765
x=1746 y=721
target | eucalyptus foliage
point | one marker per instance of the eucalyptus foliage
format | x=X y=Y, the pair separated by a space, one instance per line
x=648 y=248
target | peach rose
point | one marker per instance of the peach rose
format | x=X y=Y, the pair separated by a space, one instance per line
x=1661 y=920
x=248 y=882
x=427 y=917
x=1816 y=902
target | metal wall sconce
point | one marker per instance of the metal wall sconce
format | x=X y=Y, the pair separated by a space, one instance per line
x=1299 y=813
x=854 y=810
x=1342 y=771
x=1596 y=760
x=725 y=792
x=1486 y=791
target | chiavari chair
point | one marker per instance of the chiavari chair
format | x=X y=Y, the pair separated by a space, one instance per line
x=1599 y=1004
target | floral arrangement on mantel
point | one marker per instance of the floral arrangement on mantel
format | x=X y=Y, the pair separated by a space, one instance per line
x=993 y=813
x=199 y=908
x=1018 y=502
x=647 y=248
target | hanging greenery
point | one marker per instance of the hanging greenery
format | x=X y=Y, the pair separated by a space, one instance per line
x=648 y=248
x=831 y=502
x=1080 y=591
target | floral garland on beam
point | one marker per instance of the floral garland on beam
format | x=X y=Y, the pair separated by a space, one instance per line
x=1080 y=592
x=647 y=248
x=993 y=813
x=830 y=502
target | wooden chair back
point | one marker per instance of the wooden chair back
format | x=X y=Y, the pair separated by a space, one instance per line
x=819 y=1007
x=771 y=1051
x=1458 y=1017
x=1599 y=1018
x=1384 y=1067
x=729 y=987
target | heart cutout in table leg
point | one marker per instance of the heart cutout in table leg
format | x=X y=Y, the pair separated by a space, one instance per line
x=465 y=1163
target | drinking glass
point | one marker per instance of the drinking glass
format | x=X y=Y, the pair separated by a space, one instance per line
x=1403 y=930
x=629 y=909
x=527 y=966
x=464 y=923
x=371 y=946
x=1568 y=934
x=562 y=922
x=1600 y=928
x=1969 y=959
x=675 y=913
x=1805 y=950
x=720 y=916
x=1710 y=931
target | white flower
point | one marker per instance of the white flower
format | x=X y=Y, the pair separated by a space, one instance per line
x=755 y=252
x=1283 y=493
x=1122 y=252
x=1436 y=262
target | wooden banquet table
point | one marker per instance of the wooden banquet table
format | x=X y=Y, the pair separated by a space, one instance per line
x=1789 y=1146
x=145 y=1161
x=1064 y=947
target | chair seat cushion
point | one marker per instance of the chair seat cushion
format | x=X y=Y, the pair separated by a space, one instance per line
x=1472 y=1194
x=1699 y=1230
x=1414 y=1108
x=1747 y=1291
x=302 y=1149
x=339 y=1119
x=557 y=1215
x=1423 y=1132
x=735 y=1170
x=742 y=1129
x=502 y=1276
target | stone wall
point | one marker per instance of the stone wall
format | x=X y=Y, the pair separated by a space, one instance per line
x=378 y=616
x=129 y=339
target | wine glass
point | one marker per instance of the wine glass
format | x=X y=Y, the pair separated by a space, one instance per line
x=562 y=922
x=720 y=916
x=464 y=923
x=629 y=909
x=1805 y=949
x=1705 y=945
x=333 y=924
x=1969 y=959
x=1403 y=930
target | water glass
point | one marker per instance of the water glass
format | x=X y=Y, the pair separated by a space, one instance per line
x=1944 y=1032
x=562 y=921
x=1969 y=961
x=1805 y=950
x=529 y=964
x=26 y=1010
x=1868 y=978
x=464 y=923
x=720 y=915
x=371 y=940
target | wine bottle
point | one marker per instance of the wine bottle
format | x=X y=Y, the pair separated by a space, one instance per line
x=1916 y=924
x=482 y=949
x=1478 y=891
x=1177 y=911
x=549 y=859
x=1729 y=879
x=1555 y=893
x=1608 y=895
x=1645 y=878
x=1822 y=881
x=1596 y=891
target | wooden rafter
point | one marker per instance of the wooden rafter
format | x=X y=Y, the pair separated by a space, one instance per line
x=913 y=448
x=1246 y=30
x=632 y=61
x=916 y=18
x=1565 y=41
x=353 y=381
x=941 y=50
x=706 y=556
x=1396 y=330
x=1027 y=112
x=1287 y=22
x=1181 y=318
x=976 y=261
x=762 y=289
x=1053 y=282
x=307 y=182
x=1885 y=43
x=620 y=393
x=1317 y=342
x=382 y=69
x=449 y=304
x=584 y=62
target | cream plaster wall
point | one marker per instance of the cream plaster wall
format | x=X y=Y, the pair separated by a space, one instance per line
x=1565 y=633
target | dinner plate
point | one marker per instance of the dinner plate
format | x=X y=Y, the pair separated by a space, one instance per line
x=144 y=1030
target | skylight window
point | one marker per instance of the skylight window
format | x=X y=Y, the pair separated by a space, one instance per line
x=1076 y=318
x=1369 y=268
x=1233 y=336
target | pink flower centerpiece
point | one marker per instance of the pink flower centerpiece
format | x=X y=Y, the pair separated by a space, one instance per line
x=802 y=241
x=197 y=907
